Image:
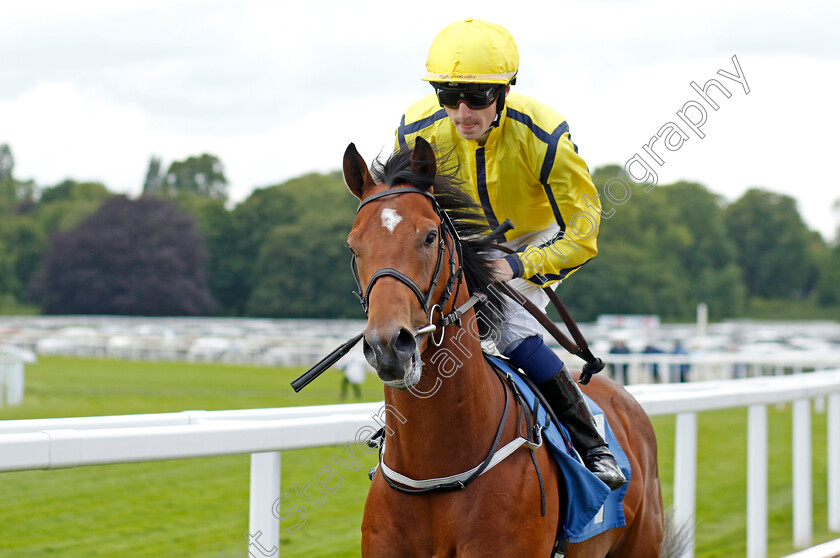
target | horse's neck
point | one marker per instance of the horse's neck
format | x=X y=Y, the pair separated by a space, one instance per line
x=448 y=422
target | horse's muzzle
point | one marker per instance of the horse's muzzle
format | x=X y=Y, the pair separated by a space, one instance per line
x=395 y=356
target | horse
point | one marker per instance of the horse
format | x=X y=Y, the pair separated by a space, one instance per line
x=418 y=249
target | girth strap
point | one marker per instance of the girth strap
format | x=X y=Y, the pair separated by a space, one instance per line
x=460 y=478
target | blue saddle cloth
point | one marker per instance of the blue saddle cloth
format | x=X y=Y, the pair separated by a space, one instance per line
x=591 y=507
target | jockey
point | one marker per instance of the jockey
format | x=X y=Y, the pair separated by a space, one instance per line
x=516 y=158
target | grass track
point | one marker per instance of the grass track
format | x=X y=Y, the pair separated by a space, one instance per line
x=199 y=508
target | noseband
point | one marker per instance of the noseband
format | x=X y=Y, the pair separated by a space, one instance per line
x=448 y=237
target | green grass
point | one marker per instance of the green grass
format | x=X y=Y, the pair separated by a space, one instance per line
x=199 y=508
x=187 y=508
x=722 y=480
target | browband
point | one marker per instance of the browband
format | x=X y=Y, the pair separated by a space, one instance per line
x=400 y=190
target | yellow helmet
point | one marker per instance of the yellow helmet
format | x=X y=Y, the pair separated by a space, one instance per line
x=473 y=51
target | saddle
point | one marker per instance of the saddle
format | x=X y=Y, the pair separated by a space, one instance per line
x=591 y=507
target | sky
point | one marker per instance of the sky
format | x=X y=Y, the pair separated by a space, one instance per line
x=91 y=90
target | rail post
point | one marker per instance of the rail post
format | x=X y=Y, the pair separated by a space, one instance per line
x=685 y=474
x=263 y=525
x=757 y=481
x=833 y=418
x=802 y=504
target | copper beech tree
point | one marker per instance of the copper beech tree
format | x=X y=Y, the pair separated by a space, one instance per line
x=131 y=257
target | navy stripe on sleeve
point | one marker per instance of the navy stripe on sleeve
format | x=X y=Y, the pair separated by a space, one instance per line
x=548 y=164
x=481 y=175
x=563 y=273
x=541 y=134
x=551 y=140
x=414 y=127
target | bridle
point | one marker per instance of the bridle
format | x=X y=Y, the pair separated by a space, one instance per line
x=447 y=238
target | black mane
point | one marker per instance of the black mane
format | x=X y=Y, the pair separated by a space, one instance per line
x=467 y=216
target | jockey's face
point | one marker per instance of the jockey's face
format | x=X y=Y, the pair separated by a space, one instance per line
x=471 y=124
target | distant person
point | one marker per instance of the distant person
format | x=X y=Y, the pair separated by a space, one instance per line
x=739 y=369
x=619 y=347
x=354 y=374
x=651 y=349
x=680 y=369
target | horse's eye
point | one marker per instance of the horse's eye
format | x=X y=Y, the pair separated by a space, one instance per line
x=430 y=238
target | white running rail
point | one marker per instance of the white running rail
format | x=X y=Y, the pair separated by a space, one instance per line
x=831 y=549
x=264 y=433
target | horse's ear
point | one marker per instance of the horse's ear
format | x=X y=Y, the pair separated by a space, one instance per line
x=356 y=174
x=423 y=160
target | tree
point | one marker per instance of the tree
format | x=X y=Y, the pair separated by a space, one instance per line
x=836 y=209
x=216 y=224
x=70 y=190
x=8 y=281
x=7 y=162
x=252 y=221
x=828 y=286
x=708 y=256
x=773 y=244
x=26 y=242
x=153 y=184
x=313 y=200
x=660 y=252
x=15 y=196
x=627 y=278
x=311 y=281
x=203 y=175
x=300 y=267
x=67 y=204
x=141 y=257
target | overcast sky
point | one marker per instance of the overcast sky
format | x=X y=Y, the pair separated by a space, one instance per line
x=91 y=89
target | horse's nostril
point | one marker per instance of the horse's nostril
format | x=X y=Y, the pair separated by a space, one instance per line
x=405 y=343
x=367 y=350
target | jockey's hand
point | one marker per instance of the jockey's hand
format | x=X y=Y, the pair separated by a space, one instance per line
x=502 y=270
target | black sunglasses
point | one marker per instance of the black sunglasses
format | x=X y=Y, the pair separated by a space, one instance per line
x=477 y=96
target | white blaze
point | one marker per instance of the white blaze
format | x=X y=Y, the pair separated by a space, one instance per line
x=390 y=218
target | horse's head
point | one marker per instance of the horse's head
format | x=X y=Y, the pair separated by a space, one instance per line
x=403 y=259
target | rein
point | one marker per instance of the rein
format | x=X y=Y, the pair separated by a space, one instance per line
x=579 y=347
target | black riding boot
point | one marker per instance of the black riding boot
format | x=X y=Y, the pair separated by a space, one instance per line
x=566 y=400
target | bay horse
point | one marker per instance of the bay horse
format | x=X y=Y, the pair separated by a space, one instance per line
x=417 y=251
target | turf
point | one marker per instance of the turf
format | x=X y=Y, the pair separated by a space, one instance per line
x=199 y=507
